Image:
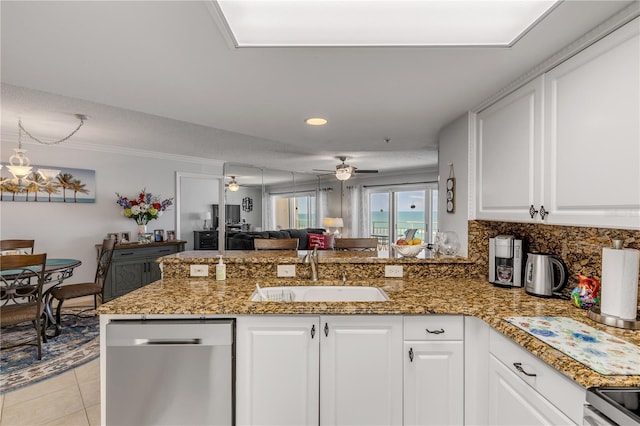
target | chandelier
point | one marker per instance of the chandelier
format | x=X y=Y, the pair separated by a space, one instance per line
x=20 y=165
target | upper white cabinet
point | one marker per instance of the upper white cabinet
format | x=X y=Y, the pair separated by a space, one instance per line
x=568 y=143
x=508 y=153
x=592 y=134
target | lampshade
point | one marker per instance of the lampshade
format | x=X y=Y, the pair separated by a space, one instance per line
x=333 y=222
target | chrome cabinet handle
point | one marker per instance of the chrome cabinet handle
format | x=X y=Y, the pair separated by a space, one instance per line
x=532 y=211
x=435 y=331
x=543 y=213
x=518 y=366
x=411 y=354
x=326 y=329
x=313 y=331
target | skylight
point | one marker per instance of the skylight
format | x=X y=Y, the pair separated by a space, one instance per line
x=264 y=23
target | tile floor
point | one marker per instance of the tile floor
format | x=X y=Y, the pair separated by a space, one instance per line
x=69 y=399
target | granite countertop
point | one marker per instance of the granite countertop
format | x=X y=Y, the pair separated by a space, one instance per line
x=475 y=297
x=291 y=256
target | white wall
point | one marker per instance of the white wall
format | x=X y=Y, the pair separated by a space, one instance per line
x=453 y=148
x=254 y=217
x=68 y=230
x=197 y=194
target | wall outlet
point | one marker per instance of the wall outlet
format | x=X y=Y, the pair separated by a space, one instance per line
x=393 y=271
x=286 y=270
x=199 y=270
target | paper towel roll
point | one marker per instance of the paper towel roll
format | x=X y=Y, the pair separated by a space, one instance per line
x=619 y=293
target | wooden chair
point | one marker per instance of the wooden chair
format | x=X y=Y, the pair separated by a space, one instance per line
x=20 y=296
x=356 y=244
x=95 y=289
x=25 y=246
x=275 y=243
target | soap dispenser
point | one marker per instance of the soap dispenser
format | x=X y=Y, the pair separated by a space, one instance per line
x=221 y=270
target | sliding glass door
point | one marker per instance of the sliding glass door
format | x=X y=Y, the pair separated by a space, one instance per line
x=396 y=213
x=294 y=211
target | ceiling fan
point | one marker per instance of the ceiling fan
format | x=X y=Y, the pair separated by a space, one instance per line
x=344 y=171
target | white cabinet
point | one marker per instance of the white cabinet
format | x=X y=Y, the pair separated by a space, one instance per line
x=361 y=370
x=434 y=370
x=592 y=134
x=568 y=142
x=523 y=390
x=509 y=136
x=277 y=379
x=332 y=370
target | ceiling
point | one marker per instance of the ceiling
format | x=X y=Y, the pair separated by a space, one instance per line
x=163 y=76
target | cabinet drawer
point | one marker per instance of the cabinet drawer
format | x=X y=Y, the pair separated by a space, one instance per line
x=565 y=394
x=434 y=327
x=147 y=252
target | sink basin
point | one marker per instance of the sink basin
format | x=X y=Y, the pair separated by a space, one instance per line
x=320 y=294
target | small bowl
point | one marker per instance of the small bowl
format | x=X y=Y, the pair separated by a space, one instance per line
x=409 y=251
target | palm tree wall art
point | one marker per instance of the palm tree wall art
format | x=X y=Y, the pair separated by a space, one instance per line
x=70 y=186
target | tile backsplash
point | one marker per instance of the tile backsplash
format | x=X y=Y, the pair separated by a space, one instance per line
x=579 y=247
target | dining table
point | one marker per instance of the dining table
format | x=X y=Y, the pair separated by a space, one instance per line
x=55 y=272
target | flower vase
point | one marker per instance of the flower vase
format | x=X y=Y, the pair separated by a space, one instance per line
x=142 y=229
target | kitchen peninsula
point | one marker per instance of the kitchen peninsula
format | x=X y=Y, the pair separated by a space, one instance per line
x=436 y=288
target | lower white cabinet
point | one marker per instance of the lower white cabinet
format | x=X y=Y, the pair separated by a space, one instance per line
x=434 y=370
x=277 y=378
x=523 y=390
x=329 y=370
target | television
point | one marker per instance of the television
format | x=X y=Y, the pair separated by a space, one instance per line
x=232 y=214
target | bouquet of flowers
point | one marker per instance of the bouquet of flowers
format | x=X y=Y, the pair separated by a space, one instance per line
x=144 y=208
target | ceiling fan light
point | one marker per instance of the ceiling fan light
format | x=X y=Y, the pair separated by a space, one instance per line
x=233 y=185
x=343 y=174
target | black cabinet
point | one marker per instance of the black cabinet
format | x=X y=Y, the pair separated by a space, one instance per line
x=205 y=240
x=134 y=266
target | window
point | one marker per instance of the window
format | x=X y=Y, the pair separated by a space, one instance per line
x=294 y=211
x=392 y=212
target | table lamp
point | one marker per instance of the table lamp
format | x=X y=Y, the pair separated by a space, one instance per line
x=333 y=222
x=207 y=221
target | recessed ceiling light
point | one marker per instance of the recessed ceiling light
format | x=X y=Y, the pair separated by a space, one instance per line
x=382 y=22
x=316 y=121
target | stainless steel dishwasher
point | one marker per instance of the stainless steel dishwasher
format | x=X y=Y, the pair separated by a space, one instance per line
x=170 y=372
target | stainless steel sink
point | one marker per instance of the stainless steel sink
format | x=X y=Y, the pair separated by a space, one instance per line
x=319 y=293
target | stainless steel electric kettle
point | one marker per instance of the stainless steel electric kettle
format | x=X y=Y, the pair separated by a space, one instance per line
x=539 y=276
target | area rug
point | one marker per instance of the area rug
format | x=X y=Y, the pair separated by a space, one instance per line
x=78 y=344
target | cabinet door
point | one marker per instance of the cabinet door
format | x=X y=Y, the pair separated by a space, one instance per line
x=127 y=276
x=513 y=402
x=508 y=142
x=154 y=273
x=361 y=370
x=433 y=383
x=592 y=140
x=277 y=374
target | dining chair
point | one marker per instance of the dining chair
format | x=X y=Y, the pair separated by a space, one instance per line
x=95 y=289
x=23 y=246
x=275 y=243
x=356 y=244
x=20 y=295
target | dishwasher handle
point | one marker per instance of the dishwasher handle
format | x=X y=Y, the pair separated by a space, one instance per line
x=168 y=342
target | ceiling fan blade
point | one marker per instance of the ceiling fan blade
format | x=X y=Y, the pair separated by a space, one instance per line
x=322 y=170
x=364 y=171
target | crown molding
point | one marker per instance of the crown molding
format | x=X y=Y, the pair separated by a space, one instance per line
x=621 y=18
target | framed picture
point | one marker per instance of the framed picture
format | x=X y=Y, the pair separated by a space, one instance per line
x=171 y=235
x=158 y=235
x=125 y=237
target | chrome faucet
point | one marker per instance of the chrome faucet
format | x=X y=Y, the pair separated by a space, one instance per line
x=312 y=259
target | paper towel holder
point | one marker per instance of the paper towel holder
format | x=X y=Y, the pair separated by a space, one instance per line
x=612 y=321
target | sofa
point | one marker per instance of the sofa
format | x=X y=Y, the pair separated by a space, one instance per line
x=244 y=240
